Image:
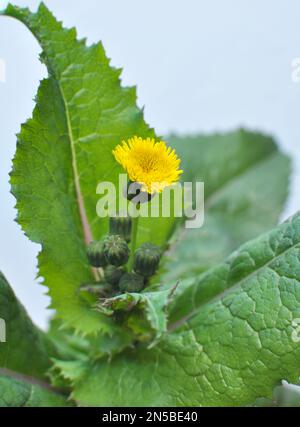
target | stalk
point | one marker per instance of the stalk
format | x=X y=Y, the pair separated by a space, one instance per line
x=135 y=223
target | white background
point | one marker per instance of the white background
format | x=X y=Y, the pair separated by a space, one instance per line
x=199 y=66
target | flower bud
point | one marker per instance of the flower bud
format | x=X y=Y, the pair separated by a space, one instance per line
x=121 y=226
x=131 y=282
x=116 y=250
x=96 y=255
x=113 y=274
x=146 y=259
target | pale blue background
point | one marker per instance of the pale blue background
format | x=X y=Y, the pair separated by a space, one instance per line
x=199 y=66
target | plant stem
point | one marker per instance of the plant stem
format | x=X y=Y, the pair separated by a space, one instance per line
x=135 y=222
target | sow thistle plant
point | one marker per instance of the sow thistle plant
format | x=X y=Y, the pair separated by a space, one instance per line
x=147 y=312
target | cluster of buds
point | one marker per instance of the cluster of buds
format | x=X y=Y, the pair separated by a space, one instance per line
x=112 y=254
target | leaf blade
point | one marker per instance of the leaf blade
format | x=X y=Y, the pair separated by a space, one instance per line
x=26 y=348
x=20 y=392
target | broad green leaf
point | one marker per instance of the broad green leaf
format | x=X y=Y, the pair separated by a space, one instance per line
x=246 y=261
x=246 y=183
x=16 y=392
x=231 y=343
x=63 y=153
x=25 y=349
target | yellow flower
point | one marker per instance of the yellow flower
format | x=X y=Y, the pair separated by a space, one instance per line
x=148 y=162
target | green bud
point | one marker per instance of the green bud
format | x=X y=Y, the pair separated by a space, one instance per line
x=146 y=259
x=116 y=250
x=113 y=274
x=96 y=255
x=121 y=226
x=131 y=282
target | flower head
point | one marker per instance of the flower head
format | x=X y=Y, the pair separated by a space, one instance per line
x=148 y=162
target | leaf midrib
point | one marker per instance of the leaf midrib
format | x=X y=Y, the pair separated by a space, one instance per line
x=82 y=212
x=86 y=229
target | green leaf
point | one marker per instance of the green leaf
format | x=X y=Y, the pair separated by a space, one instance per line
x=246 y=182
x=25 y=349
x=68 y=344
x=63 y=153
x=22 y=392
x=245 y=262
x=231 y=343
